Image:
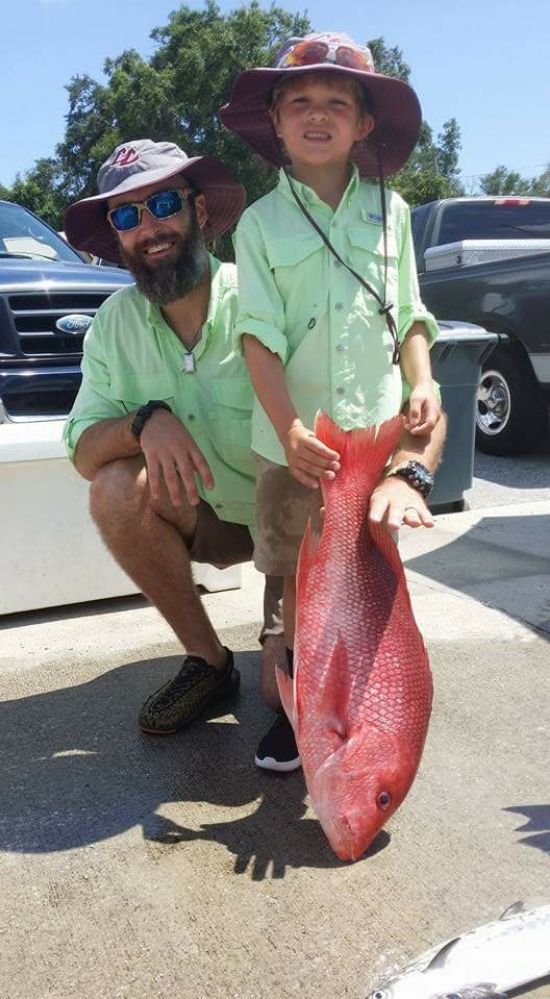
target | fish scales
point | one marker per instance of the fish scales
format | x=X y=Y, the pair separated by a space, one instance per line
x=362 y=691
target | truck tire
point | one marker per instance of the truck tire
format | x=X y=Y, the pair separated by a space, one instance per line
x=511 y=411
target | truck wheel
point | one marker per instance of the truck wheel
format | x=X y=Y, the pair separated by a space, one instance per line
x=511 y=413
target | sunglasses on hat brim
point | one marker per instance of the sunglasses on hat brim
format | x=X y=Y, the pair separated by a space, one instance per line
x=162 y=205
x=310 y=53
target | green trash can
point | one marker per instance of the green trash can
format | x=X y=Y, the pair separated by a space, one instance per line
x=457 y=356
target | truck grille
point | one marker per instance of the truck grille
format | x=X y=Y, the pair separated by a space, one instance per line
x=35 y=318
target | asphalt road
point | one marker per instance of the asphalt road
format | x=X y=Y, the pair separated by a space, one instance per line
x=501 y=481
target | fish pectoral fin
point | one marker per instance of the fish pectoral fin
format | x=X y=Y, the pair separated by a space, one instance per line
x=286 y=691
x=335 y=696
x=440 y=958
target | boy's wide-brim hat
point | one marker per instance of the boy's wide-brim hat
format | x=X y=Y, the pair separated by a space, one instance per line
x=138 y=164
x=395 y=106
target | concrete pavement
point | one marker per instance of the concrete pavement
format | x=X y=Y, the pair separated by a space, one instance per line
x=133 y=867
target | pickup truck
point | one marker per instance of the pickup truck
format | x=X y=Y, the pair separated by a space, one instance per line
x=48 y=297
x=508 y=294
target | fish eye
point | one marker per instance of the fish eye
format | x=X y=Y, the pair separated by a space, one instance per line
x=384 y=800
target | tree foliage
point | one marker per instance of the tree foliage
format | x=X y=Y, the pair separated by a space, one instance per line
x=505 y=182
x=175 y=95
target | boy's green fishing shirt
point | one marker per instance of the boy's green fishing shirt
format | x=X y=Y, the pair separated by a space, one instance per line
x=131 y=356
x=303 y=305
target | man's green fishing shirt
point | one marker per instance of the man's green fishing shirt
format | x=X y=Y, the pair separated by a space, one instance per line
x=132 y=356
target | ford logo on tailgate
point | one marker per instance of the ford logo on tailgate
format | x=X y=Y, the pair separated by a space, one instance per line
x=74 y=323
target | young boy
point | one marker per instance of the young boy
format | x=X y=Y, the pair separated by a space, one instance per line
x=329 y=310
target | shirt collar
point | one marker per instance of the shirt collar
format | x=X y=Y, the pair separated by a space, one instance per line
x=310 y=197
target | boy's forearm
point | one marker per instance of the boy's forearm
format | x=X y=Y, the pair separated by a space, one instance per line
x=415 y=356
x=267 y=375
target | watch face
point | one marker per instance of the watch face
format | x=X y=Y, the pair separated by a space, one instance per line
x=422 y=475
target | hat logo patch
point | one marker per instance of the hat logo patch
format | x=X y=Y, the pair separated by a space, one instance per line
x=125 y=156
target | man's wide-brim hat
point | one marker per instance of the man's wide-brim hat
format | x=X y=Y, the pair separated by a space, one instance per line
x=138 y=164
x=395 y=106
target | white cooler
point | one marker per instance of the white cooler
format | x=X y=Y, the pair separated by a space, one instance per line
x=51 y=551
x=479 y=251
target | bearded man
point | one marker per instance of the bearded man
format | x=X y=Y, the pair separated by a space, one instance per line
x=161 y=423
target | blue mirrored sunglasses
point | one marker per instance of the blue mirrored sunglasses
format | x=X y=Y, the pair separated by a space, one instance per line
x=162 y=205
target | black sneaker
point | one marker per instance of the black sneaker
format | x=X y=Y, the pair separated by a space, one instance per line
x=179 y=701
x=278 y=749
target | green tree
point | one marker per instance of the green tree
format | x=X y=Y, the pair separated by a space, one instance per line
x=389 y=60
x=432 y=171
x=42 y=190
x=177 y=94
x=503 y=181
x=541 y=185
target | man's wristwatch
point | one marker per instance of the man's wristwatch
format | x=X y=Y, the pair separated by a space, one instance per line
x=416 y=474
x=143 y=414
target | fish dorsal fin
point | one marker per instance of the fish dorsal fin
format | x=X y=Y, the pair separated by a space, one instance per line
x=441 y=957
x=513 y=910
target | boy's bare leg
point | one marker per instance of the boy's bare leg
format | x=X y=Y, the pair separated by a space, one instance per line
x=150 y=541
x=273 y=655
x=289 y=610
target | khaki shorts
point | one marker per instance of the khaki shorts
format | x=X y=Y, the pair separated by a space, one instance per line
x=283 y=508
x=223 y=544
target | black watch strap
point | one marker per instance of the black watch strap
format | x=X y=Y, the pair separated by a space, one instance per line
x=143 y=414
x=416 y=474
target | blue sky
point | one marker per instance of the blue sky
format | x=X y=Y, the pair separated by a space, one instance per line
x=485 y=62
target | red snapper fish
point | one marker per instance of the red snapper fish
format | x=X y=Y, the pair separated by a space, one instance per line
x=361 y=696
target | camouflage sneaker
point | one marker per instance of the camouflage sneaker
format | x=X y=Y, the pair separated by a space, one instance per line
x=179 y=701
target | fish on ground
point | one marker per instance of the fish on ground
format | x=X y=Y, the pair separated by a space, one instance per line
x=488 y=962
x=361 y=695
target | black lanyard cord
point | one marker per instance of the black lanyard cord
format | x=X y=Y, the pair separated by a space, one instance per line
x=385 y=307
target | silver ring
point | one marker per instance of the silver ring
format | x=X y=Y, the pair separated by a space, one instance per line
x=411 y=508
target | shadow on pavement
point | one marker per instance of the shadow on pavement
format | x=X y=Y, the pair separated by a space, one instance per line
x=537 y=824
x=76 y=770
x=502 y=561
x=526 y=471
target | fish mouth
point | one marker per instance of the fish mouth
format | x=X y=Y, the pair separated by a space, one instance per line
x=347 y=843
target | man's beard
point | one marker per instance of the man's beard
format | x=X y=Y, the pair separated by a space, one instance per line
x=170 y=280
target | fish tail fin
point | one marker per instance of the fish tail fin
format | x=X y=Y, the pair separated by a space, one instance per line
x=364 y=453
x=286 y=692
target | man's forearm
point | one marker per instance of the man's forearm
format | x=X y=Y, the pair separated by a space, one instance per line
x=105 y=441
x=428 y=450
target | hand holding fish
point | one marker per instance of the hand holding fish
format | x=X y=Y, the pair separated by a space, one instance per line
x=394 y=502
x=309 y=460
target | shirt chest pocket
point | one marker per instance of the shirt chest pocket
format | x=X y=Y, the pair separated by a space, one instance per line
x=135 y=390
x=296 y=263
x=231 y=401
x=367 y=255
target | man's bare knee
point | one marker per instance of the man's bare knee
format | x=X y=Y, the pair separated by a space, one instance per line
x=117 y=486
x=120 y=490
